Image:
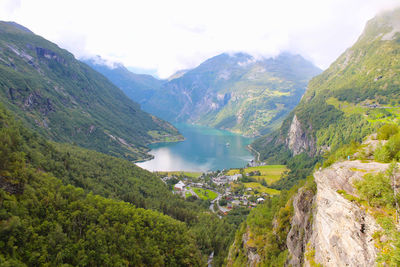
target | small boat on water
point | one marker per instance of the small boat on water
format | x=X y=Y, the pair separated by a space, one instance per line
x=227 y=144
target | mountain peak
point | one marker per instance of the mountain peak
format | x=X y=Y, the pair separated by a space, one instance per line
x=14 y=25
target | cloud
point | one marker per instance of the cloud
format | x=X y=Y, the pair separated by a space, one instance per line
x=176 y=34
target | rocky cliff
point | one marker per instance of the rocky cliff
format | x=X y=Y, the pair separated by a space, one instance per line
x=327 y=221
x=342 y=230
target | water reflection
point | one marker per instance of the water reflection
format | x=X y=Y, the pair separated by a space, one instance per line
x=203 y=149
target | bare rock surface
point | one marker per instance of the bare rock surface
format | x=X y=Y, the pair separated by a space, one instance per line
x=342 y=230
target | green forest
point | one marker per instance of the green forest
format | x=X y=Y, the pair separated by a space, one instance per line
x=61 y=204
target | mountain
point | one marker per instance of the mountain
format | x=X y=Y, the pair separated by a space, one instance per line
x=235 y=92
x=66 y=101
x=345 y=213
x=349 y=100
x=138 y=87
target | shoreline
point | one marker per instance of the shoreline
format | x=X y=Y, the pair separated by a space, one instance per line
x=251 y=149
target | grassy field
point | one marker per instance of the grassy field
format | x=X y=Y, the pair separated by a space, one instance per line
x=383 y=114
x=188 y=194
x=269 y=173
x=262 y=189
x=179 y=173
x=205 y=193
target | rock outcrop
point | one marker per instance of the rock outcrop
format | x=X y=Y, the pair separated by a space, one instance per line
x=301 y=229
x=298 y=140
x=342 y=230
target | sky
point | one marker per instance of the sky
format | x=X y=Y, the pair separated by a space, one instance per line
x=164 y=36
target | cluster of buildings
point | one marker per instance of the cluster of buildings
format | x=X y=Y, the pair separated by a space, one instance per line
x=242 y=200
x=226 y=179
x=245 y=199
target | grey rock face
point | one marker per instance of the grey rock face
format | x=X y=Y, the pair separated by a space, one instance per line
x=342 y=230
x=297 y=140
x=301 y=229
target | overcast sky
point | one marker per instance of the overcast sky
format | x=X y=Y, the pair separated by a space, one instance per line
x=167 y=36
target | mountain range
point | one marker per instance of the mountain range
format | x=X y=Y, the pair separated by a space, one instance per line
x=236 y=92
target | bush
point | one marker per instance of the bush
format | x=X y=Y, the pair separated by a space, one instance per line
x=390 y=151
x=223 y=202
x=386 y=131
x=382 y=154
x=376 y=189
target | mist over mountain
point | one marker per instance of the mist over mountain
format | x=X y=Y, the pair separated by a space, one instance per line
x=236 y=92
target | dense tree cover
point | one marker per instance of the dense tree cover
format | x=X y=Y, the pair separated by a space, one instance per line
x=267 y=227
x=66 y=101
x=110 y=177
x=43 y=222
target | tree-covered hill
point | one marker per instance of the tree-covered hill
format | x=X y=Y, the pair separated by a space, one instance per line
x=59 y=200
x=65 y=100
x=46 y=222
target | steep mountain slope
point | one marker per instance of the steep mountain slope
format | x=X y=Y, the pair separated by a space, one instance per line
x=348 y=100
x=346 y=212
x=138 y=87
x=67 y=101
x=66 y=204
x=234 y=92
x=46 y=222
x=344 y=215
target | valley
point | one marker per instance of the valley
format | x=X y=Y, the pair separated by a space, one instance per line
x=241 y=159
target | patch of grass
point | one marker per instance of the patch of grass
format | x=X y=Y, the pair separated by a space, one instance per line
x=357 y=170
x=385 y=114
x=310 y=256
x=349 y=197
x=268 y=173
x=262 y=189
x=205 y=193
x=188 y=194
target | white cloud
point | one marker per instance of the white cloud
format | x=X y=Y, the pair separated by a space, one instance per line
x=179 y=34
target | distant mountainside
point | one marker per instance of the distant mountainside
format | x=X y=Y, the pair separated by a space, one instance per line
x=352 y=97
x=235 y=92
x=67 y=101
x=138 y=87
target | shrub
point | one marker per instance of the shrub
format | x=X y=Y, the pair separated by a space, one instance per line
x=386 y=131
x=376 y=189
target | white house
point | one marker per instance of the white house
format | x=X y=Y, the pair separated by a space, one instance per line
x=179 y=186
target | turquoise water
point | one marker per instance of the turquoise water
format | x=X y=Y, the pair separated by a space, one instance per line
x=204 y=149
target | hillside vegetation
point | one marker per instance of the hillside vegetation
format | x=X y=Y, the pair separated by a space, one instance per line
x=46 y=222
x=351 y=99
x=66 y=101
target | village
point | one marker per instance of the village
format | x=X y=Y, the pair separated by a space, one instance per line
x=227 y=189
